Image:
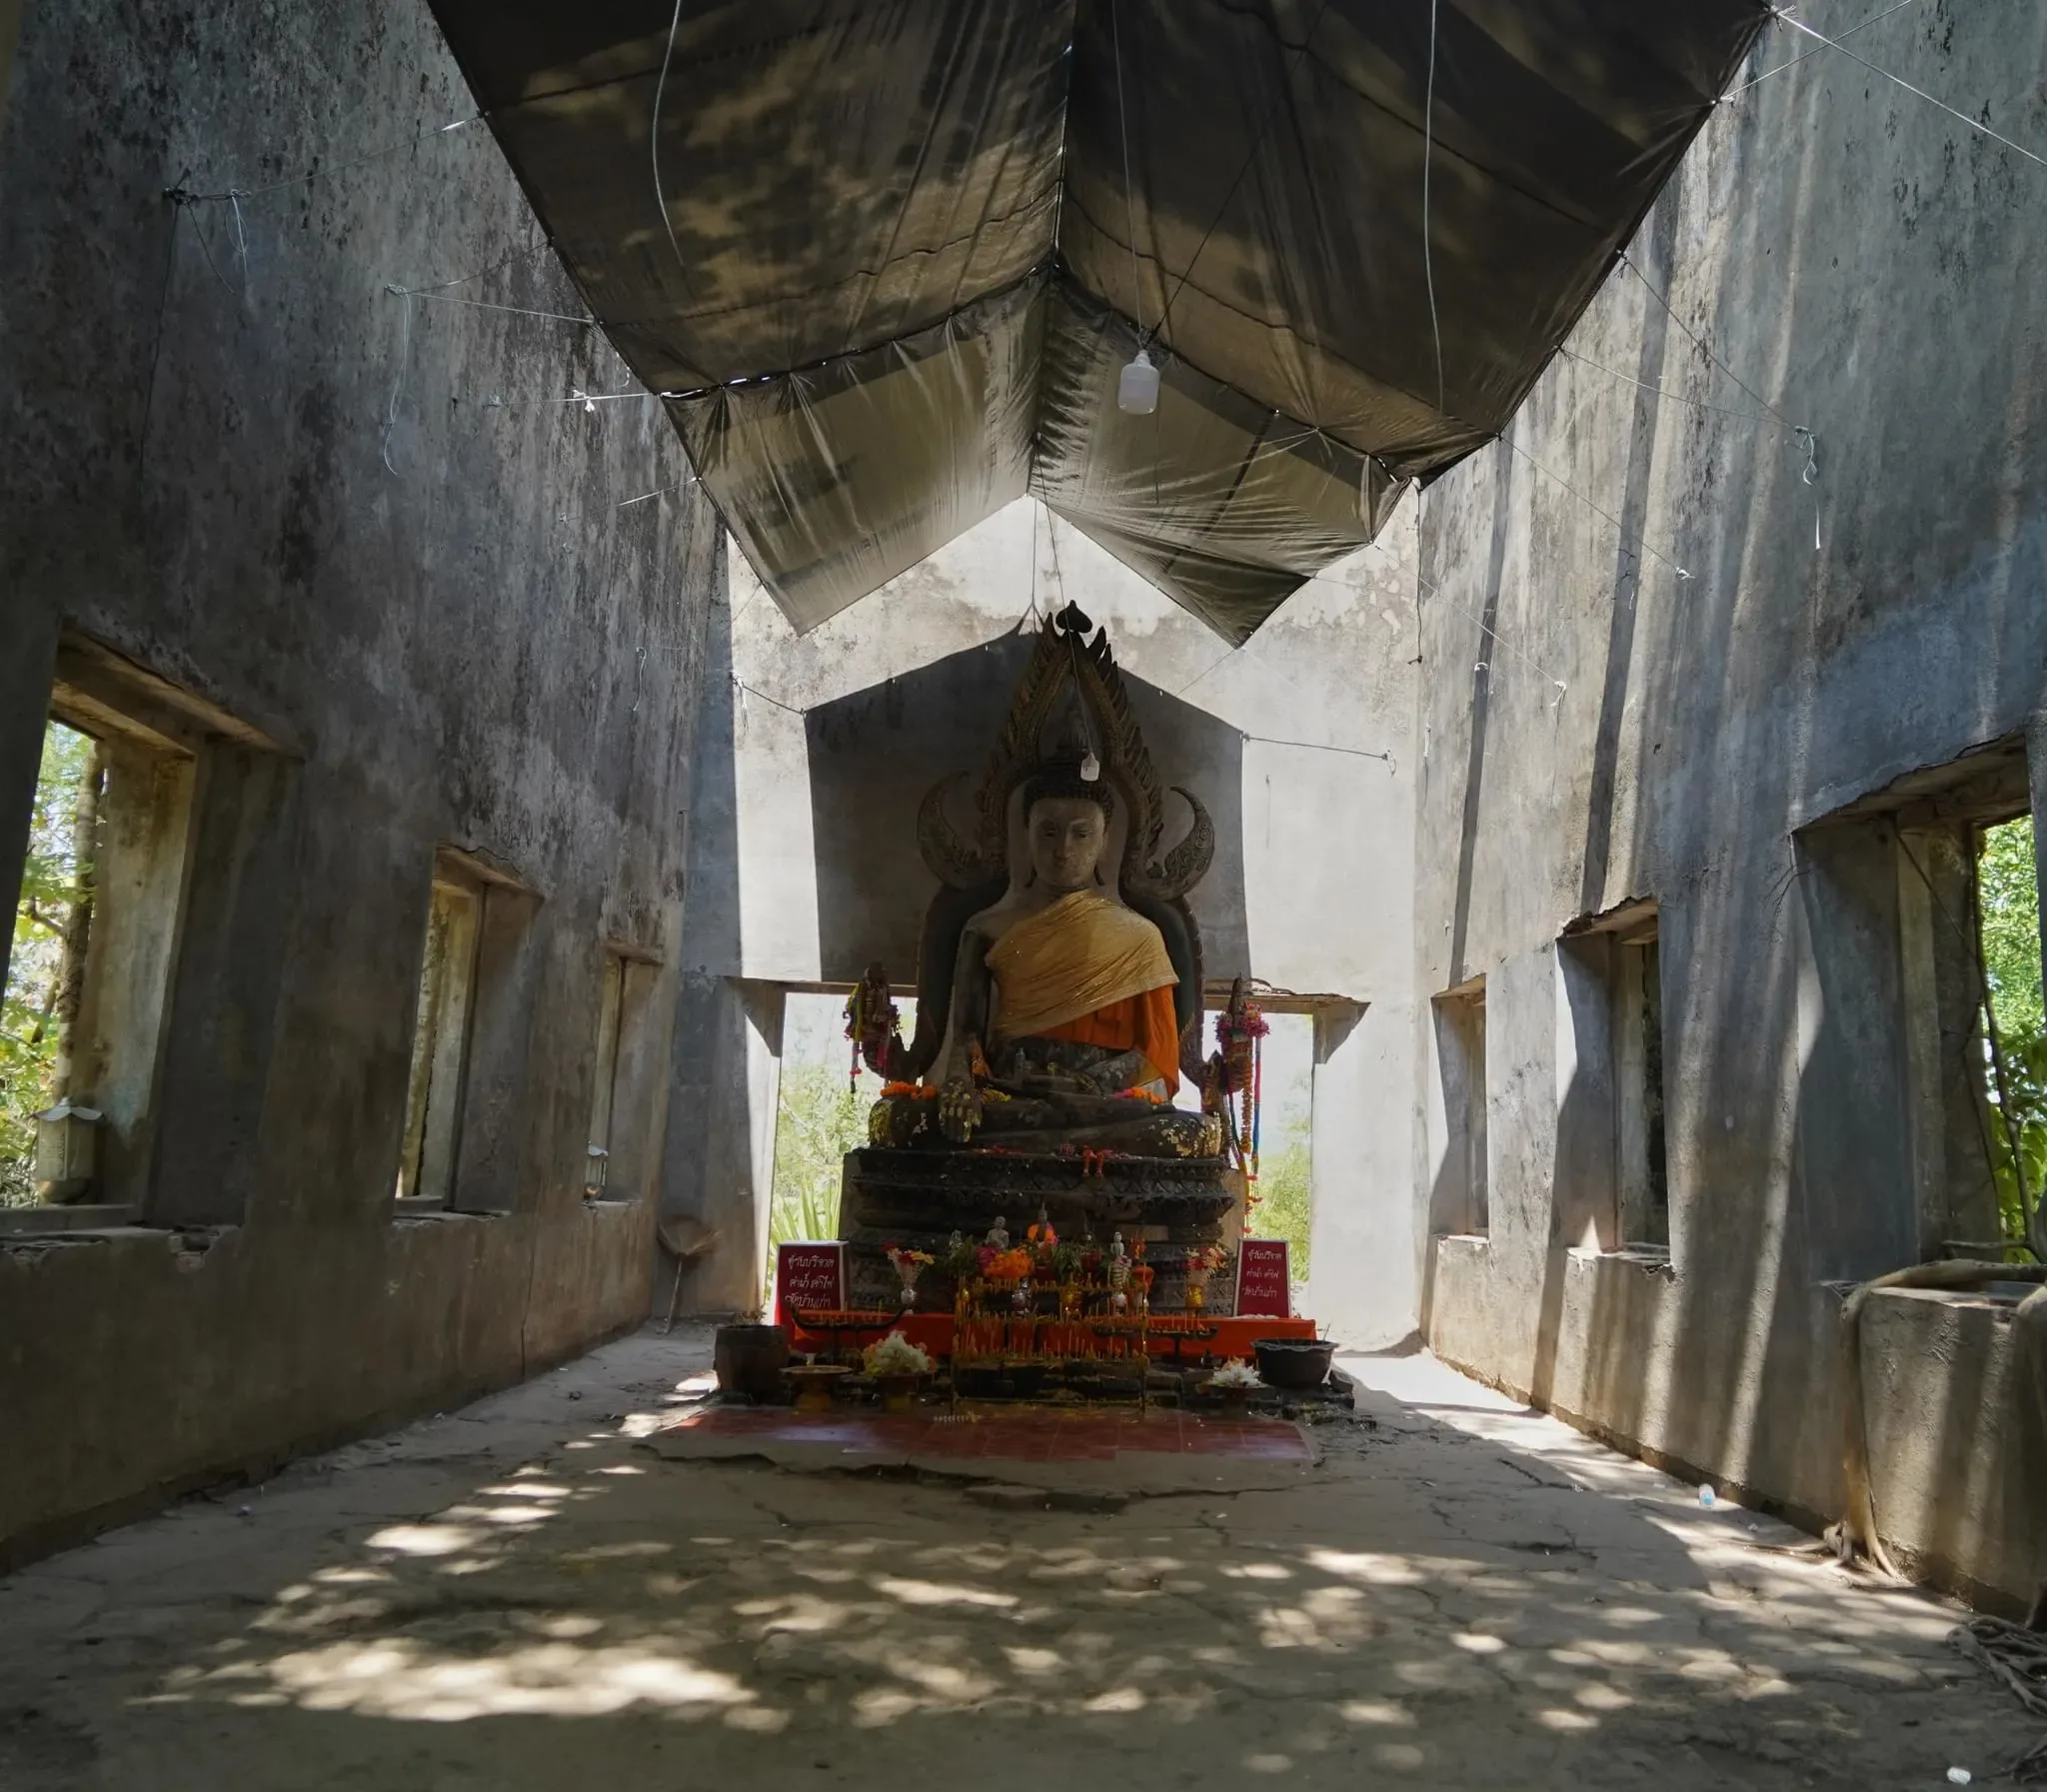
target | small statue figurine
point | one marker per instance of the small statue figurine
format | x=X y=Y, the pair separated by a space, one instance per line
x=997 y=1235
x=1118 y=1275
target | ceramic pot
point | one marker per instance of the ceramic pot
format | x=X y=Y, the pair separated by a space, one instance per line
x=750 y=1359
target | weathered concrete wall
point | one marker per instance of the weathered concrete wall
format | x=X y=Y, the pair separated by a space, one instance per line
x=1867 y=265
x=831 y=739
x=379 y=539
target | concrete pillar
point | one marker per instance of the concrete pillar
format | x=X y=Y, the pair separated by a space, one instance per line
x=718 y=1154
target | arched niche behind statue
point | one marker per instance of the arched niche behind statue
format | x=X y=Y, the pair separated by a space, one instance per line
x=875 y=753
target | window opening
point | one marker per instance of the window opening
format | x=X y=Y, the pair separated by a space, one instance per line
x=604 y=1094
x=1461 y=1202
x=1282 y=1204
x=1639 y=1015
x=95 y=937
x=820 y=1115
x=2011 y=1048
x=440 y=1044
x=46 y=965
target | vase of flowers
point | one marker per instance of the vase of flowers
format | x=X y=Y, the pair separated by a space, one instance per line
x=909 y=1266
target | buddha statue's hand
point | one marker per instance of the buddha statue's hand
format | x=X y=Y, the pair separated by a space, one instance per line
x=1114 y=1074
x=959 y=1110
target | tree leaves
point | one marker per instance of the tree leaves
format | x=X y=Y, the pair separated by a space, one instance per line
x=1283 y=1190
x=49 y=882
x=2009 y=897
x=817 y=1121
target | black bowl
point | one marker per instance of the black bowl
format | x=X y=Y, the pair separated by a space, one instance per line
x=1295 y=1363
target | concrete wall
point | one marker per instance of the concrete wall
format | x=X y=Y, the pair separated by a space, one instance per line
x=828 y=740
x=1867 y=266
x=378 y=543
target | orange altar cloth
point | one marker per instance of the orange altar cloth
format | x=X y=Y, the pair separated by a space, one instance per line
x=933 y=1332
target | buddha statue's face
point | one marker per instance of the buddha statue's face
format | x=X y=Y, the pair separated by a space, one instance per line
x=1067 y=837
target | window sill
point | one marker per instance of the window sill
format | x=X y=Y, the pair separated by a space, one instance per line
x=1998 y=1296
x=1654 y=1259
x=413 y=1207
x=41 y=1221
x=1467 y=1240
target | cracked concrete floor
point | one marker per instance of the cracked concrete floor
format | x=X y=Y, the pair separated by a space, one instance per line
x=1461 y=1594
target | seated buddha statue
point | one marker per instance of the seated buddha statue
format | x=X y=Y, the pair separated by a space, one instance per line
x=1062 y=995
x=1060 y=1013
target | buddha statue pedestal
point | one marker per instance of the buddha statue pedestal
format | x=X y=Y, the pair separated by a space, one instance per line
x=916 y=1201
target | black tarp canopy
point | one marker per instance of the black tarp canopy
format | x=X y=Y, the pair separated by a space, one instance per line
x=903 y=247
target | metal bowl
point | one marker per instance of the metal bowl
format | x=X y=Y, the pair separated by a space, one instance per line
x=1295 y=1363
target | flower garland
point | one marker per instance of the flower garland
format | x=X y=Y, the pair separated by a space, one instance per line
x=873 y=1025
x=1240 y=1032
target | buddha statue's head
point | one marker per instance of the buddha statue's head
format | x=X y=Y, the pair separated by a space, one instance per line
x=1066 y=828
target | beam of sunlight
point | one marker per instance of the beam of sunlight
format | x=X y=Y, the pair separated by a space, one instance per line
x=404 y=1680
x=1118 y=1698
x=927 y=1592
x=427 y=1539
x=1376 y=1711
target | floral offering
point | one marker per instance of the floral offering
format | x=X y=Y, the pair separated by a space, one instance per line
x=896 y=1356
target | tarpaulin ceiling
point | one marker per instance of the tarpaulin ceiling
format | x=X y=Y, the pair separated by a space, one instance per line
x=897 y=262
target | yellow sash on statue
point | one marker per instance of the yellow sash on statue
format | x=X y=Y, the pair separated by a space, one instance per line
x=1072 y=958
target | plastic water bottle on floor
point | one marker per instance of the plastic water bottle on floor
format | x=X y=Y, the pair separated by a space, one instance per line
x=1707 y=1494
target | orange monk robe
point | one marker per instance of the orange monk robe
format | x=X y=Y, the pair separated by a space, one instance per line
x=1143 y=1024
x=1091 y=970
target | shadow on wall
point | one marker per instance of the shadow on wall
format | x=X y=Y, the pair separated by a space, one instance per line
x=873 y=753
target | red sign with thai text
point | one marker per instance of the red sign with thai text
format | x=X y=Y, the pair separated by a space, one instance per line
x=809 y=1277
x=1263 y=1281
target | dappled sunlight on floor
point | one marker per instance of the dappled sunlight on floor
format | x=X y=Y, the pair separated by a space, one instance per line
x=1436 y=1603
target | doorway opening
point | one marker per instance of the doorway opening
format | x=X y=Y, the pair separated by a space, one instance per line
x=820 y=1115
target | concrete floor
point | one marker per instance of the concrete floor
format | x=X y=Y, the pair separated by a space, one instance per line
x=521 y=1595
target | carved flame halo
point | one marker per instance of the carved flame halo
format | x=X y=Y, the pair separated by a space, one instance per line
x=1063 y=657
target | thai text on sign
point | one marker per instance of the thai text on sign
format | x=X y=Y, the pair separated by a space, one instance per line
x=809 y=1277
x=1263 y=1279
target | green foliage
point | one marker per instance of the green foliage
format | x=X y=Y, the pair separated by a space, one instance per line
x=2009 y=894
x=28 y=1035
x=1282 y=1189
x=818 y=1120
